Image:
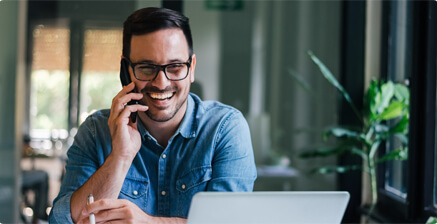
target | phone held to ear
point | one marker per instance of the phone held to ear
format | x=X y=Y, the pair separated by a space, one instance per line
x=125 y=80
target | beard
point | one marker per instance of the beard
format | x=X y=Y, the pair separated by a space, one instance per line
x=160 y=114
x=164 y=118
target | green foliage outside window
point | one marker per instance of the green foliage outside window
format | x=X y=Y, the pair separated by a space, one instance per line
x=97 y=91
x=50 y=91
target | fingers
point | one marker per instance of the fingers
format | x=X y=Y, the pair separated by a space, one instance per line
x=123 y=97
x=102 y=204
x=127 y=110
x=108 y=210
x=124 y=116
x=115 y=214
x=119 y=107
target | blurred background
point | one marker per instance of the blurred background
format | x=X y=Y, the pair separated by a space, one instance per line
x=60 y=61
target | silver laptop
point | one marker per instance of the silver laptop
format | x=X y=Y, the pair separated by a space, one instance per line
x=268 y=207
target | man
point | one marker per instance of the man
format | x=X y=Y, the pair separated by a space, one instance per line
x=147 y=171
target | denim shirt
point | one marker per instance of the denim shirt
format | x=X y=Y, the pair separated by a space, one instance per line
x=211 y=151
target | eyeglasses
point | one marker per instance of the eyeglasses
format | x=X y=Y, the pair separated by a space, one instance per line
x=173 y=71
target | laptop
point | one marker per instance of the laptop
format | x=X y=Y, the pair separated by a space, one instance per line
x=268 y=207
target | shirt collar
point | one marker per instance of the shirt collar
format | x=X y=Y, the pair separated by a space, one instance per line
x=189 y=123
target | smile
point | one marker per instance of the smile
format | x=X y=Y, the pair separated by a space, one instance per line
x=161 y=96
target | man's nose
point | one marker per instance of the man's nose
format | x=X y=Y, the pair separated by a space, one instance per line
x=161 y=80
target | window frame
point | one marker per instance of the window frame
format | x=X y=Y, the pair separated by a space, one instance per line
x=430 y=144
x=418 y=205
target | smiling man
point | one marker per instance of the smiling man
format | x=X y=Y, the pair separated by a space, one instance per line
x=147 y=170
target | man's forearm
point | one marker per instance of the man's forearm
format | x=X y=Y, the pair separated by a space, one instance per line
x=106 y=182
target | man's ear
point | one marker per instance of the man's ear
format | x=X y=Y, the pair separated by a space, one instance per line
x=192 y=67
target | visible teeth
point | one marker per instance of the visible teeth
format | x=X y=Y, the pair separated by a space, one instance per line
x=161 y=96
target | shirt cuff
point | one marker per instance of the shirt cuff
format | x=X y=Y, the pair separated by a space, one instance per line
x=61 y=212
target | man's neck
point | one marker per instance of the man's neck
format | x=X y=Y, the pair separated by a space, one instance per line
x=163 y=131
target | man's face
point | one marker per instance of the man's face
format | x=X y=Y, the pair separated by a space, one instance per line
x=165 y=99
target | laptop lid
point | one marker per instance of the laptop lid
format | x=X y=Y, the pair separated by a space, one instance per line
x=268 y=207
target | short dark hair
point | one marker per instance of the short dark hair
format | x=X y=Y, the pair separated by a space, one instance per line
x=152 y=19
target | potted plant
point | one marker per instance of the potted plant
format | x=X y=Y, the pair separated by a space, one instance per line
x=385 y=113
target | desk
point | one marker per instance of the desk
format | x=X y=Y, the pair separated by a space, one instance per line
x=275 y=178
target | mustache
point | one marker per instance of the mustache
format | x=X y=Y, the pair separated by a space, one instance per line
x=155 y=89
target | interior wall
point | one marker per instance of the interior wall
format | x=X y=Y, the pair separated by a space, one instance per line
x=205 y=29
x=236 y=29
x=10 y=132
x=286 y=120
x=149 y=3
x=304 y=115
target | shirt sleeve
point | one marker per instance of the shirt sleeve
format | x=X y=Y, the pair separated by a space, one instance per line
x=81 y=164
x=233 y=165
x=61 y=212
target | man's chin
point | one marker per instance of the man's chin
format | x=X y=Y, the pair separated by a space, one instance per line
x=157 y=118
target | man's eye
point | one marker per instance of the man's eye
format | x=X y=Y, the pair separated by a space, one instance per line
x=175 y=67
x=146 y=69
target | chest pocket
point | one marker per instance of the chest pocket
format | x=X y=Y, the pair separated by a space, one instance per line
x=196 y=177
x=134 y=188
x=190 y=183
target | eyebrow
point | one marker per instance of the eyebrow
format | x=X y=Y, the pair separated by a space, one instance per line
x=154 y=63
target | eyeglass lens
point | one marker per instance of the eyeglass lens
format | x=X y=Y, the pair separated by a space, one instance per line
x=148 y=72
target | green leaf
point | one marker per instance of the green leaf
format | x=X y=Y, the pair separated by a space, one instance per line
x=403 y=138
x=398 y=154
x=359 y=152
x=336 y=169
x=372 y=99
x=328 y=75
x=386 y=95
x=301 y=82
x=431 y=220
x=393 y=110
x=381 y=128
x=402 y=93
x=342 y=132
x=401 y=126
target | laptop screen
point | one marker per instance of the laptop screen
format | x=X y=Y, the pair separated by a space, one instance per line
x=268 y=207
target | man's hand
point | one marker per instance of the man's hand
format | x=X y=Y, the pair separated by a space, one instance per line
x=114 y=211
x=107 y=181
x=126 y=140
x=121 y=211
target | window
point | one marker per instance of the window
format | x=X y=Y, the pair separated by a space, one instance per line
x=398 y=71
x=50 y=80
x=100 y=80
x=409 y=193
x=74 y=53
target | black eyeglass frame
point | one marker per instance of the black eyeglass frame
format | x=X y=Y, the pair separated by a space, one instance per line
x=161 y=68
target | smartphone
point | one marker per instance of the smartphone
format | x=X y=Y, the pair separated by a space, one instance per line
x=125 y=80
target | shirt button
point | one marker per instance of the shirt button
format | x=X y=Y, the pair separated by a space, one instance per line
x=163 y=193
x=183 y=186
x=135 y=192
x=164 y=156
